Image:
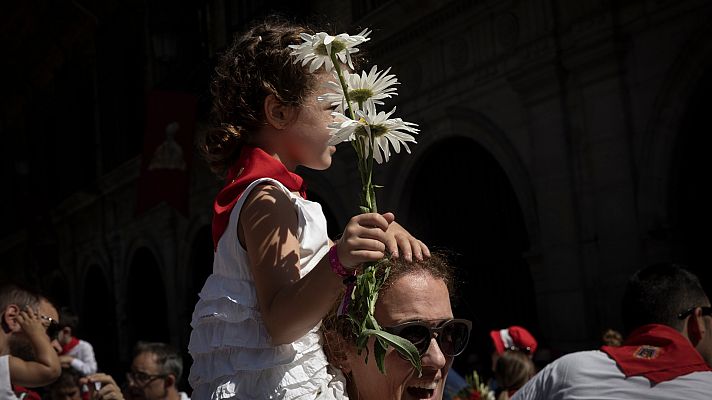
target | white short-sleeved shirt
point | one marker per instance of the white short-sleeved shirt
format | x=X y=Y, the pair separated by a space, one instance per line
x=233 y=357
x=590 y=375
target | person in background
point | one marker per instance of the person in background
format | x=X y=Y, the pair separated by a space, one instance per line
x=155 y=371
x=512 y=370
x=612 y=337
x=668 y=321
x=514 y=338
x=76 y=353
x=66 y=387
x=27 y=358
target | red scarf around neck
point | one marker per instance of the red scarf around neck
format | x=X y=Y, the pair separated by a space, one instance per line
x=657 y=352
x=69 y=346
x=253 y=164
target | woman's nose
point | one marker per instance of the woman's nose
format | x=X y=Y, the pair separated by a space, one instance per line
x=433 y=357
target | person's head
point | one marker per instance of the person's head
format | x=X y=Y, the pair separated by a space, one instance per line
x=261 y=97
x=66 y=387
x=13 y=299
x=67 y=326
x=512 y=338
x=155 y=370
x=513 y=369
x=669 y=294
x=612 y=337
x=414 y=299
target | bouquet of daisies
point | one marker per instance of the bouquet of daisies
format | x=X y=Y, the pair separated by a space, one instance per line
x=372 y=133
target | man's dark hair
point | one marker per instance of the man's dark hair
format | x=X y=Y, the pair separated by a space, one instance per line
x=68 y=319
x=658 y=293
x=167 y=358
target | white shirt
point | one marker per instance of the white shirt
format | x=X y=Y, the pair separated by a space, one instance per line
x=84 y=361
x=594 y=375
x=6 y=392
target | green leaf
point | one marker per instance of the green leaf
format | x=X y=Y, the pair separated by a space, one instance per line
x=404 y=347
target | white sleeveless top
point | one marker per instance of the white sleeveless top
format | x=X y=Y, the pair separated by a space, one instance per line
x=233 y=357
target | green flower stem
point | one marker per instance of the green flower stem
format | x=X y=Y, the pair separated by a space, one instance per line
x=369 y=282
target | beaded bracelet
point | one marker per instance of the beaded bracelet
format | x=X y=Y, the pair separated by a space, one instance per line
x=336 y=265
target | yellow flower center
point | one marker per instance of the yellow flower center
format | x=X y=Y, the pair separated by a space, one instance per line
x=376 y=131
x=360 y=95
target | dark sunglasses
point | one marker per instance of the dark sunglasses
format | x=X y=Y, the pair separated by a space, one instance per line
x=689 y=311
x=53 y=328
x=451 y=335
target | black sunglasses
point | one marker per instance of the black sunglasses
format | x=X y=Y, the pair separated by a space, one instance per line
x=452 y=335
x=689 y=311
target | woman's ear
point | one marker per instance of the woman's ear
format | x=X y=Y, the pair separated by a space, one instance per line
x=337 y=351
x=278 y=114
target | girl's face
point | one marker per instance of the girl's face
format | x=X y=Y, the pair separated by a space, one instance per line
x=309 y=135
x=412 y=297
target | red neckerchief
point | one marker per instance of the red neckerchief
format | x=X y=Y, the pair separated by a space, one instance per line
x=69 y=346
x=253 y=164
x=25 y=393
x=658 y=353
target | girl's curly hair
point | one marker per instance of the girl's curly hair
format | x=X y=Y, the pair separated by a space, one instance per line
x=257 y=64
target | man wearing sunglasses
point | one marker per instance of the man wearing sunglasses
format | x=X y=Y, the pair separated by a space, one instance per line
x=666 y=355
x=26 y=356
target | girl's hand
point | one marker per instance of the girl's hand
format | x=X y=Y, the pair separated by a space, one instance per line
x=31 y=323
x=364 y=239
x=399 y=238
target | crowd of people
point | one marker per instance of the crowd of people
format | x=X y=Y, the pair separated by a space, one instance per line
x=40 y=358
x=270 y=321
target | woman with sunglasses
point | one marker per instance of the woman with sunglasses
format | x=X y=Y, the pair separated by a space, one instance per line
x=414 y=303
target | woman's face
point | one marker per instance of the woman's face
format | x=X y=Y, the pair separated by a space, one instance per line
x=412 y=297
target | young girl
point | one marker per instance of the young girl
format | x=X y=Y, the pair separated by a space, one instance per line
x=275 y=273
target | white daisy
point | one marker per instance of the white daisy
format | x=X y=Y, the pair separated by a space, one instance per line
x=379 y=127
x=317 y=49
x=366 y=90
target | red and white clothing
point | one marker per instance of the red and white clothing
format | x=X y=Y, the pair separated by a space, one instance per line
x=233 y=357
x=84 y=360
x=667 y=367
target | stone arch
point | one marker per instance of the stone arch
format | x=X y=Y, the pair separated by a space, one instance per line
x=478 y=211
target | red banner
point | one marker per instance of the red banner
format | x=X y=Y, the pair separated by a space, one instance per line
x=167 y=151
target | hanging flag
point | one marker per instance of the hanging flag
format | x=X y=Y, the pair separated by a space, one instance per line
x=167 y=151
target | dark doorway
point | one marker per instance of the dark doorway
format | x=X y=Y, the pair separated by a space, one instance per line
x=463 y=202
x=146 y=300
x=690 y=197
x=97 y=323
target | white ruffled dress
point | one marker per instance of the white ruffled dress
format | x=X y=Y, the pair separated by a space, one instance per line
x=233 y=357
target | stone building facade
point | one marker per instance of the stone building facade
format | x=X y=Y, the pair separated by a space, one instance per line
x=561 y=148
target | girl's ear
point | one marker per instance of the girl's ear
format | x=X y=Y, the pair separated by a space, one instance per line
x=277 y=114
